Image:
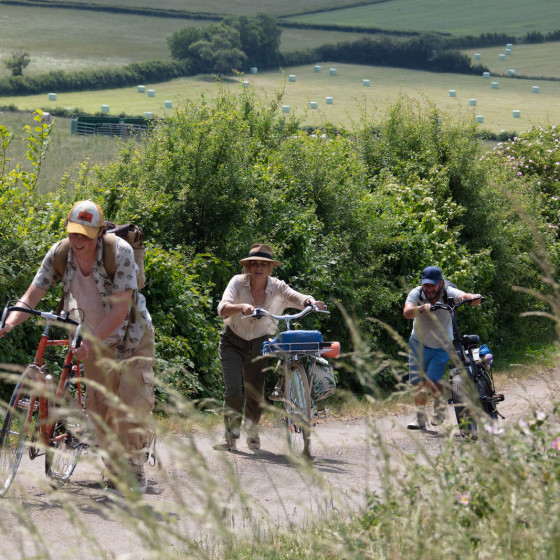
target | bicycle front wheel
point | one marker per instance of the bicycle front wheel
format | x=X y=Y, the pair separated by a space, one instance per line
x=65 y=446
x=16 y=426
x=297 y=404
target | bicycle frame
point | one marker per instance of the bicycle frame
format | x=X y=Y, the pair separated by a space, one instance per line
x=478 y=371
x=34 y=392
x=298 y=403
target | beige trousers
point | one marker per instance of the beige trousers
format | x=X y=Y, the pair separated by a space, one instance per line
x=121 y=407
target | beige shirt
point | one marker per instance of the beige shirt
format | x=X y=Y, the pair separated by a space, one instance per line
x=85 y=297
x=278 y=297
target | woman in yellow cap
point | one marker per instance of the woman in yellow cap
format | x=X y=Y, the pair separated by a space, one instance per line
x=118 y=346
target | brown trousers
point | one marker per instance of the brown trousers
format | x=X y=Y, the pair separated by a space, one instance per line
x=121 y=408
x=241 y=367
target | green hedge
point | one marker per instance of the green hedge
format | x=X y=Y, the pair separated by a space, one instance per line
x=425 y=53
x=85 y=80
x=353 y=216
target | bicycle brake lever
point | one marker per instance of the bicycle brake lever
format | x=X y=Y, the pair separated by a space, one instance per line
x=77 y=340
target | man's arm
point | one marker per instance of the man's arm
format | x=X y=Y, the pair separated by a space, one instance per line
x=411 y=310
x=32 y=297
x=476 y=297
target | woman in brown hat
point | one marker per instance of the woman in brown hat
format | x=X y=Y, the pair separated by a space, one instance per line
x=241 y=339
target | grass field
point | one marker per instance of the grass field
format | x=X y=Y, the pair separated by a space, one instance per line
x=539 y=60
x=74 y=39
x=450 y=16
x=237 y=7
x=65 y=155
x=386 y=84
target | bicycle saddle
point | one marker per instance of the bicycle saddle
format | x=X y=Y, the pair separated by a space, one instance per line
x=470 y=340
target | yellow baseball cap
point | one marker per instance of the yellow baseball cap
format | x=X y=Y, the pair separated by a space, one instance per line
x=86 y=218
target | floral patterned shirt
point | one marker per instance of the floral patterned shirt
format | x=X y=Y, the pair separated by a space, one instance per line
x=130 y=332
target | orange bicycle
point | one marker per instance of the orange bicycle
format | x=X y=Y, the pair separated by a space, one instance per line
x=46 y=417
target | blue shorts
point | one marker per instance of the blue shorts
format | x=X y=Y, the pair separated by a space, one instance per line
x=426 y=363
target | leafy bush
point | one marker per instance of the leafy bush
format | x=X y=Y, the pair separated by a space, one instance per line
x=353 y=215
x=181 y=307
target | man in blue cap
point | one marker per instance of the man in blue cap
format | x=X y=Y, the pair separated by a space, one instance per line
x=430 y=343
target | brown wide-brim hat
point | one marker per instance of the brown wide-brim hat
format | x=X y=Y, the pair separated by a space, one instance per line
x=260 y=252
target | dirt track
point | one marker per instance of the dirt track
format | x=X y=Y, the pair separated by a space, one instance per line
x=197 y=491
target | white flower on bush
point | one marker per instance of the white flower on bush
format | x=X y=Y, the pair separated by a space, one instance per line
x=494 y=429
x=524 y=427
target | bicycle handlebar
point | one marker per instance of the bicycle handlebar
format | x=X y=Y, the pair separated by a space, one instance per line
x=49 y=316
x=259 y=313
x=456 y=306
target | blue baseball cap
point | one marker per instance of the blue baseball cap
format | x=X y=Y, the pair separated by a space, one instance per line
x=432 y=275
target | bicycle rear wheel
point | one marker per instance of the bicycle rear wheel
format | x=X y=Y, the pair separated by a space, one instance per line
x=65 y=446
x=465 y=419
x=16 y=426
x=485 y=389
x=297 y=404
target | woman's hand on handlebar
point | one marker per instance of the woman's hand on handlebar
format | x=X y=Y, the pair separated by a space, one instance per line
x=247 y=309
x=5 y=330
x=321 y=305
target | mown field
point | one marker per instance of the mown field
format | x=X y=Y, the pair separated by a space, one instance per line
x=76 y=39
x=349 y=95
x=458 y=18
x=539 y=60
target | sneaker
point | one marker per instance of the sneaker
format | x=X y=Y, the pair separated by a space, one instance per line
x=229 y=444
x=254 y=442
x=439 y=413
x=108 y=483
x=141 y=480
x=419 y=423
x=252 y=433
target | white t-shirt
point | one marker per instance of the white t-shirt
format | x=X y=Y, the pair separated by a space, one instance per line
x=279 y=296
x=434 y=329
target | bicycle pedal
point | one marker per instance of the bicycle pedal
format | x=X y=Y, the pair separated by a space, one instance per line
x=34 y=452
x=498 y=398
x=322 y=413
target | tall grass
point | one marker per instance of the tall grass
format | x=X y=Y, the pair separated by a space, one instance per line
x=419 y=496
x=69 y=156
